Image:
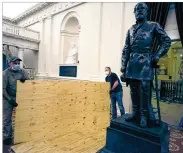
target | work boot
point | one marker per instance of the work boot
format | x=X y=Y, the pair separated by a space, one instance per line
x=7 y=141
x=143 y=120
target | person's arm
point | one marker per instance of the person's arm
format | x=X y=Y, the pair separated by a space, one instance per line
x=7 y=97
x=164 y=42
x=5 y=93
x=24 y=76
x=5 y=84
x=115 y=85
x=125 y=53
x=115 y=77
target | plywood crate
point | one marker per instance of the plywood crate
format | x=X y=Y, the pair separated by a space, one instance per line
x=57 y=116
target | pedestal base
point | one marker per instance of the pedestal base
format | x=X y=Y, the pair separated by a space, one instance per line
x=68 y=70
x=126 y=137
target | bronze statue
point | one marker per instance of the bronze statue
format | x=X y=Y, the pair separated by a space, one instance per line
x=138 y=60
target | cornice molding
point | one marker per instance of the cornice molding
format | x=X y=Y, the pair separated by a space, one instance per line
x=20 y=37
x=17 y=26
x=43 y=11
x=67 y=32
x=31 y=10
x=9 y=20
x=25 y=46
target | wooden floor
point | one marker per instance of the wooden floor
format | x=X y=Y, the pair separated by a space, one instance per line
x=61 y=116
x=70 y=143
x=170 y=113
x=175 y=145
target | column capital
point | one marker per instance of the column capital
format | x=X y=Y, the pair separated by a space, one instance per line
x=49 y=17
x=41 y=20
x=20 y=48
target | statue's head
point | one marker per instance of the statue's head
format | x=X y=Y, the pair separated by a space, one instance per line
x=141 y=11
x=73 y=45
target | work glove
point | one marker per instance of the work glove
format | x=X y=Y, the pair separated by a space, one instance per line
x=13 y=103
x=155 y=60
x=22 y=80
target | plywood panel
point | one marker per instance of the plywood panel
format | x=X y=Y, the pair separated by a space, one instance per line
x=64 y=112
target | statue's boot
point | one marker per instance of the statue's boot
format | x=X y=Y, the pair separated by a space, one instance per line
x=147 y=105
x=135 y=101
x=143 y=120
x=133 y=116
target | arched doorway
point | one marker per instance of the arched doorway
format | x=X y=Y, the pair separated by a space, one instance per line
x=70 y=29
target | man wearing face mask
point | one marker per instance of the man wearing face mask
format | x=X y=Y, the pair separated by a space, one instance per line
x=115 y=92
x=10 y=77
x=138 y=60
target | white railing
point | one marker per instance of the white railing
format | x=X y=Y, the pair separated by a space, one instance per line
x=20 y=31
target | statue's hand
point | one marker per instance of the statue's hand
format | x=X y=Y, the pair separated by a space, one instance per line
x=155 y=60
x=123 y=70
x=122 y=77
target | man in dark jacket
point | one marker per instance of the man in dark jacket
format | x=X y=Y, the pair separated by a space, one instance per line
x=138 y=60
x=116 y=92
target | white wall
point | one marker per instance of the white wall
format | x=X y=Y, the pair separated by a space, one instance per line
x=88 y=41
x=101 y=38
x=116 y=20
x=36 y=27
x=30 y=58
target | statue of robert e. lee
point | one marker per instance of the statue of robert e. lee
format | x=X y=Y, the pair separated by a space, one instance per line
x=138 y=61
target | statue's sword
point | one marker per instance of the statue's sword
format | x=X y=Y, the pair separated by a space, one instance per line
x=157 y=94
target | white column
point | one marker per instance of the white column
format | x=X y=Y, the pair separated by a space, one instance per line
x=21 y=56
x=61 y=52
x=41 y=57
x=100 y=41
x=48 y=42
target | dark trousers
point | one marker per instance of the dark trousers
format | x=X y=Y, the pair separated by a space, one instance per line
x=7 y=120
x=141 y=98
x=116 y=97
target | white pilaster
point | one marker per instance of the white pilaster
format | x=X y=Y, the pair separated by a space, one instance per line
x=99 y=44
x=41 y=57
x=49 y=45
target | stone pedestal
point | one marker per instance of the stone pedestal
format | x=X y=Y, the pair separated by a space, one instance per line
x=126 y=137
x=68 y=70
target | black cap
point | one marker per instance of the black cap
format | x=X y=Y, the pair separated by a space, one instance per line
x=14 y=58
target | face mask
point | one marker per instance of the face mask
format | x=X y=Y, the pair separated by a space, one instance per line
x=16 y=67
x=107 y=72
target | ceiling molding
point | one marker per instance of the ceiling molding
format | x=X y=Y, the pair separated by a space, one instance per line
x=31 y=10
